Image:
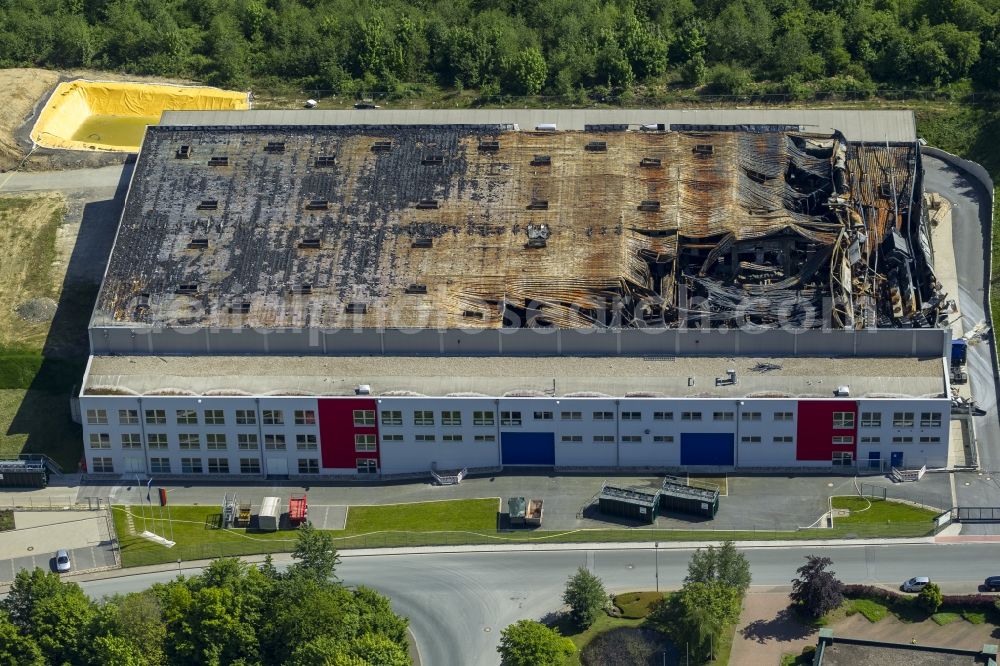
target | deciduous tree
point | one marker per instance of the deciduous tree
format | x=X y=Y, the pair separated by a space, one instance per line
x=586 y=597
x=529 y=643
x=817 y=591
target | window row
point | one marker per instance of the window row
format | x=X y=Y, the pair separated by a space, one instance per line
x=302 y=417
x=220 y=465
x=213 y=441
x=899 y=420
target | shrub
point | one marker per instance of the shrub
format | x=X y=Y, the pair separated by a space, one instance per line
x=872 y=592
x=586 y=597
x=970 y=601
x=930 y=598
x=624 y=645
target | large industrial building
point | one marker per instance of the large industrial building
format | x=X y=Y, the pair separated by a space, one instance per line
x=375 y=293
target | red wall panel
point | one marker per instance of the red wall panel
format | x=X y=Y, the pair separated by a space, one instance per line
x=337 y=431
x=815 y=431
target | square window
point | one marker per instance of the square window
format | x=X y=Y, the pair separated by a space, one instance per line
x=131 y=440
x=690 y=416
x=783 y=416
x=272 y=417
x=97 y=417
x=543 y=416
x=392 y=438
x=128 y=416
x=663 y=416
x=843 y=458
x=156 y=440
x=485 y=438
x=751 y=416
x=483 y=418
x=246 y=417
x=843 y=419
x=215 y=417
x=215 y=441
x=218 y=466
x=364 y=417
x=305 y=417
x=724 y=416
x=247 y=442
x=571 y=438
x=308 y=466
x=159 y=465
x=367 y=465
x=871 y=419
x=663 y=439
x=100 y=440
x=364 y=443
x=604 y=439
x=187 y=417
x=103 y=465
x=930 y=419
x=274 y=442
x=631 y=439
x=783 y=439
x=191 y=466
x=423 y=418
x=571 y=416
x=451 y=418
x=604 y=416
x=392 y=418
x=842 y=440
x=750 y=439
x=451 y=438
x=425 y=438
x=631 y=416
x=902 y=419
x=189 y=441
x=871 y=440
x=510 y=418
x=307 y=442
x=249 y=466
x=156 y=417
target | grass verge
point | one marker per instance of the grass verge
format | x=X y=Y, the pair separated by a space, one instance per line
x=877 y=511
x=871 y=609
x=945 y=618
x=6 y=520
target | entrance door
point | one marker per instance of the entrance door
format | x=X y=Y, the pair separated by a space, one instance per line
x=874 y=459
x=277 y=467
x=896 y=459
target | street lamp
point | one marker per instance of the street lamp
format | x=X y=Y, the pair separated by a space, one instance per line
x=656 y=556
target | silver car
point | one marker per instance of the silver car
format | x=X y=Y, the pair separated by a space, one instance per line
x=62 y=561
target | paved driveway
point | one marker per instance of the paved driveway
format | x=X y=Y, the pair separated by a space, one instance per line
x=39 y=534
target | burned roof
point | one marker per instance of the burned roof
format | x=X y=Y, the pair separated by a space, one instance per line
x=456 y=226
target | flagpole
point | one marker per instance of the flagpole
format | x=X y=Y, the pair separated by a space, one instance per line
x=142 y=508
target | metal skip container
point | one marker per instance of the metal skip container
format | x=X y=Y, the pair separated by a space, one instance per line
x=634 y=503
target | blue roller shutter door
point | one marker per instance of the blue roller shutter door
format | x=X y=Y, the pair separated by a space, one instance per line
x=707 y=448
x=528 y=448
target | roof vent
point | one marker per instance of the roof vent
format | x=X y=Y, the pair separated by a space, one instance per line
x=381 y=146
x=535 y=231
x=650 y=163
x=489 y=146
x=357 y=308
x=219 y=160
x=416 y=289
x=187 y=289
x=242 y=308
x=473 y=314
x=535 y=243
x=433 y=160
x=318 y=204
x=427 y=204
x=183 y=153
x=309 y=244
x=703 y=149
x=303 y=289
x=545 y=127
x=422 y=242
x=326 y=161
x=208 y=204
x=538 y=204
x=274 y=147
x=843 y=391
x=363 y=389
x=198 y=244
x=541 y=160
x=597 y=146
x=650 y=206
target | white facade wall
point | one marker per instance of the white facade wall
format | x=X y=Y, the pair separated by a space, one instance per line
x=619 y=441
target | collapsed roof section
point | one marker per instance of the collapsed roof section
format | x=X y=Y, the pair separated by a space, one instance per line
x=489 y=227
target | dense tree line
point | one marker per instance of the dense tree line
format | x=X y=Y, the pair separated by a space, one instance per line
x=564 y=47
x=233 y=613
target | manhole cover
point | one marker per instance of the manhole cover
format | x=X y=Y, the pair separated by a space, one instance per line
x=30 y=548
x=487 y=629
x=630 y=566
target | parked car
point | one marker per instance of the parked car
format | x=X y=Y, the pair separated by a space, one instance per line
x=915 y=584
x=992 y=584
x=62 y=561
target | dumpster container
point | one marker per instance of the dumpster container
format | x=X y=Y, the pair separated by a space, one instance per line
x=634 y=503
x=23 y=474
x=297 y=509
x=270 y=514
x=533 y=515
x=516 y=508
x=676 y=495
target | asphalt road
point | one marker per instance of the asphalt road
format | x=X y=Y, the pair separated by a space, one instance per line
x=458 y=602
x=971 y=235
x=74 y=180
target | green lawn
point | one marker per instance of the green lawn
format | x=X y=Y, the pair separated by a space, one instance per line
x=945 y=618
x=582 y=638
x=636 y=605
x=6 y=520
x=871 y=609
x=865 y=511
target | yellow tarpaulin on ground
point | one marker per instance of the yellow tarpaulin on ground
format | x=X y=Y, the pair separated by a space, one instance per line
x=112 y=116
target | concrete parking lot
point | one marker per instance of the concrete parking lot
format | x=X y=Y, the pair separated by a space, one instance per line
x=37 y=535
